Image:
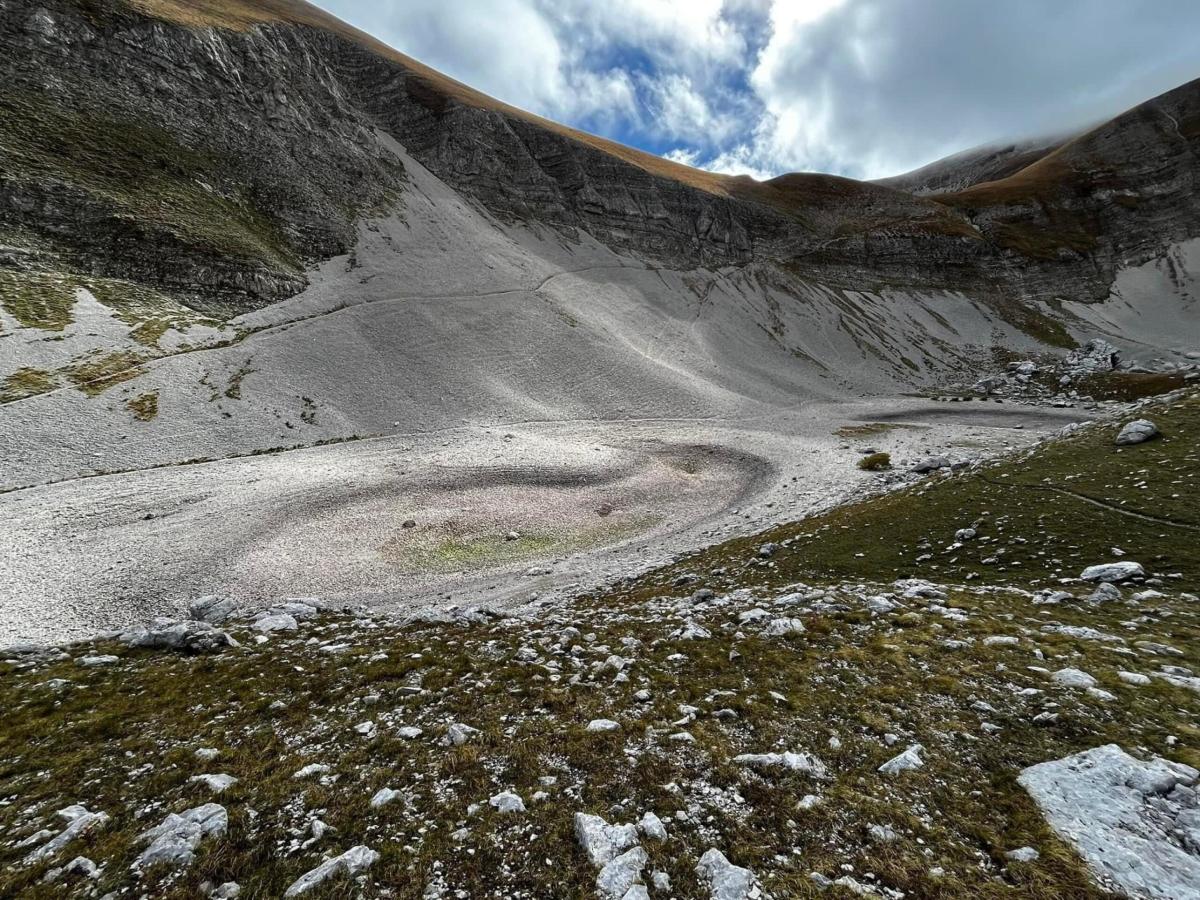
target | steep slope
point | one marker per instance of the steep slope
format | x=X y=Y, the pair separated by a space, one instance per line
x=989 y=162
x=230 y=214
x=1117 y=193
x=231 y=227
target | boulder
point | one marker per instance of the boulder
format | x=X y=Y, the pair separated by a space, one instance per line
x=211 y=609
x=1113 y=572
x=794 y=762
x=930 y=464
x=903 y=762
x=1104 y=593
x=1097 y=355
x=352 y=862
x=1137 y=432
x=724 y=880
x=620 y=874
x=275 y=622
x=188 y=636
x=507 y=802
x=79 y=821
x=1073 y=678
x=1122 y=815
x=174 y=841
x=603 y=842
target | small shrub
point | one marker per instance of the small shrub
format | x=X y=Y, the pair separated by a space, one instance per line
x=875 y=462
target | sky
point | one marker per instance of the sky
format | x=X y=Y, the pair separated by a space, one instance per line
x=862 y=88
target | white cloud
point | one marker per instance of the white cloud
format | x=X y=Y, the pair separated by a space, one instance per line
x=858 y=87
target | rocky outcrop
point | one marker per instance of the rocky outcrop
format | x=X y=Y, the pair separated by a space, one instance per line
x=1134 y=823
x=217 y=158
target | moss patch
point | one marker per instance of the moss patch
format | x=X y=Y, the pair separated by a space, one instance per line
x=26 y=382
x=875 y=462
x=37 y=299
x=144 y=407
x=447 y=549
x=142 y=171
x=99 y=372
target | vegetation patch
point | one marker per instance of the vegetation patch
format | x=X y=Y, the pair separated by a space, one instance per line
x=1128 y=386
x=1033 y=322
x=26 y=382
x=451 y=548
x=142 y=171
x=144 y=407
x=38 y=299
x=96 y=374
x=875 y=462
x=874 y=429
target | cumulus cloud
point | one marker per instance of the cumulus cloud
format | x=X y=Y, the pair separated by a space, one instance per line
x=865 y=88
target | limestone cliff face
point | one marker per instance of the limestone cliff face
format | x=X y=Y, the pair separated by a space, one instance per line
x=216 y=150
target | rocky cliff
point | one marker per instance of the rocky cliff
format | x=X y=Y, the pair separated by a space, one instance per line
x=215 y=150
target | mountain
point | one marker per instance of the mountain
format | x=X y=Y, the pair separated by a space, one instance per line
x=989 y=162
x=244 y=226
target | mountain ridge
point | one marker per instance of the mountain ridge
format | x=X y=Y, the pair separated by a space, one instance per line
x=513 y=162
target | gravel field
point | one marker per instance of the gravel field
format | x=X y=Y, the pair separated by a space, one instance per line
x=588 y=501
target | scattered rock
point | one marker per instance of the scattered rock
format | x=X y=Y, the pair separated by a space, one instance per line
x=458 y=734
x=795 y=762
x=724 y=880
x=1073 y=678
x=215 y=783
x=310 y=770
x=651 y=826
x=175 y=840
x=783 y=627
x=507 y=802
x=79 y=821
x=903 y=762
x=352 y=862
x=1022 y=854
x=1137 y=432
x=603 y=842
x=186 y=636
x=1105 y=593
x=620 y=874
x=603 y=725
x=93 y=662
x=276 y=622
x=80 y=865
x=930 y=464
x=213 y=610
x=383 y=797
x=1114 y=572
x=1134 y=678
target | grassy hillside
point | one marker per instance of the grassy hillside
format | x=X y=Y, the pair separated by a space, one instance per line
x=122 y=738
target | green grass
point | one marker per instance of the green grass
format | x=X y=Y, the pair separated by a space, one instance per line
x=38 y=299
x=100 y=371
x=120 y=739
x=450 y=552
x=142 y=171
x=26 y=382
x=144 y=407
x=875 y=462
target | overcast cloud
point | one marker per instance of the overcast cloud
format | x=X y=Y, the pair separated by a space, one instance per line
x=864 y=88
